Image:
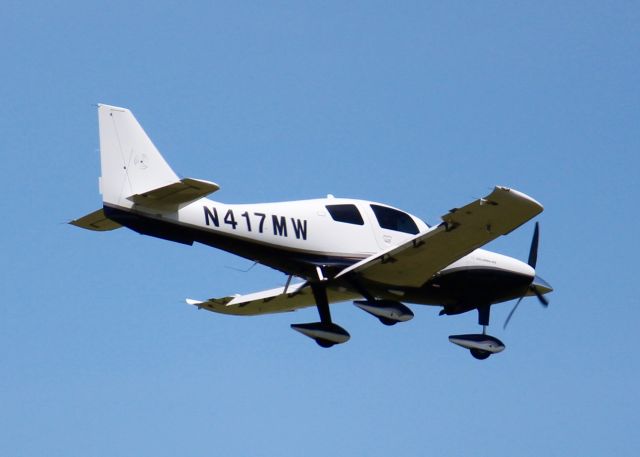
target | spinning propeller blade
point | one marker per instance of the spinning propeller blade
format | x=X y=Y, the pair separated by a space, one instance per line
x=506 y=322
x=533 y=250
x=543 y=301
x=533 y=259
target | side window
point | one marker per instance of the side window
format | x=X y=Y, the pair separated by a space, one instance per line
x=392 y=219
x=345 y=213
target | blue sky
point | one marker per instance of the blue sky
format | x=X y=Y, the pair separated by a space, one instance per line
x=421 y=105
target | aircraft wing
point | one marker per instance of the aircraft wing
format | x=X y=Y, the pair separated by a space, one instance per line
x=271 y=301
x=463 y=230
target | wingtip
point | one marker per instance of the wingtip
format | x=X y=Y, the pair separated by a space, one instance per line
x=521 y=195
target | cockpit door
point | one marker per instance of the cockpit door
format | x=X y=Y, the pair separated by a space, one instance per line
x=391 y=225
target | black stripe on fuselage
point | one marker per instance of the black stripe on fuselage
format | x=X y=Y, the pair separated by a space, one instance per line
x=462 y=289
x=470 y=287
x=289 y=261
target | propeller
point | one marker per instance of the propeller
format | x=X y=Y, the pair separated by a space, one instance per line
x=533 y=250
x=533 y=287
x=513 y=310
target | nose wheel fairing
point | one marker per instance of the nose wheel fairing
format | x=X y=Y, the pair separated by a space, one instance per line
x=480 y=345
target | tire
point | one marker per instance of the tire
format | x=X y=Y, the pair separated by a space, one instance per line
x=324 y=343
x=479 y=354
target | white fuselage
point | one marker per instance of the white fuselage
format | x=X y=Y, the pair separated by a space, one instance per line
x=305 y=226
x=311 y=231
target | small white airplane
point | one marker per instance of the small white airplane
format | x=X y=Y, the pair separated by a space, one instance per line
x=342 y=249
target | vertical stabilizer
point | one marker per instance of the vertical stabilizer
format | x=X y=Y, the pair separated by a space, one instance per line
x=131 y=164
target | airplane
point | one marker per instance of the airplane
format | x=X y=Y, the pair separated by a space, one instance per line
x=342 y=249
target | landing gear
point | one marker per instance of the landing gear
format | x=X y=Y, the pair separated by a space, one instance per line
x=324 y=343
x=479 y=354
x=387 y=322
x=325 y=333
x=481 y=346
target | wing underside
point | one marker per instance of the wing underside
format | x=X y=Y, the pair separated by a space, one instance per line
x=271 y=301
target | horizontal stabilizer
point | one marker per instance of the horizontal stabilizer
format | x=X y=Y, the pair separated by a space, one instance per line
x=172 y=196
x=96 y=221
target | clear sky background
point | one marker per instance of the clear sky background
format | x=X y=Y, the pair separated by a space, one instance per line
x=421 y=105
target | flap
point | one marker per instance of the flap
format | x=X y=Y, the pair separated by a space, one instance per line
x=96 y=221
x=464 y=229
x=172 y=196
x=271 y=301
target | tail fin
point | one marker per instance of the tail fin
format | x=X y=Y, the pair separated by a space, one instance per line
x=131 y=164
x=134 y=172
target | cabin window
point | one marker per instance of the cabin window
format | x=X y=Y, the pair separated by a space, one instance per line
x=345 y=213
x=392 y=219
